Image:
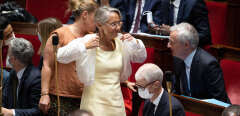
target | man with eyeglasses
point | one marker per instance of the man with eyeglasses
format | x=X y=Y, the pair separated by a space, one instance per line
x=149 y=79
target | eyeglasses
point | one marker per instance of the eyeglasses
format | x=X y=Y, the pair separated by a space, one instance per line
x=143 y=87
x=115 y=24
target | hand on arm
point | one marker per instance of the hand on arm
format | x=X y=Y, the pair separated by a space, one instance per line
x=92 y=43
x=131 y=85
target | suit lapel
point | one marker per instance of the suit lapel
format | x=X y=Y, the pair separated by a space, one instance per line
x=162 y=104
x=131 y=10
x=194 y=71
x=24 y=77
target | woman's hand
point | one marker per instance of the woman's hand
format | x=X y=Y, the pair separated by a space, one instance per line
x=127 y=37
x=92 y=43
x=44 y=103
x=131 y=85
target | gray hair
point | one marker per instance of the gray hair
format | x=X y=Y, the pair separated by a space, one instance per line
x=102 y=14
x=186 y=33
x=150 y=72
x=22 y=50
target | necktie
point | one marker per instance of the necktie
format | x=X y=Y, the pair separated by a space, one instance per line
x=171 y=14
x=152 y=109
x=15 y=85
x=186 y=90
x=137 y=20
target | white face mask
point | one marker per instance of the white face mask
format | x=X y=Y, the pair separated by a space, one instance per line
x=8 y=64
x=39 y=37
x=144 y=93
x=8 y=41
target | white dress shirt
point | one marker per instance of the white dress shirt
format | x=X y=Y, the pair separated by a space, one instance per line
x=176 y=5
x=188 y=63
x=135 y=16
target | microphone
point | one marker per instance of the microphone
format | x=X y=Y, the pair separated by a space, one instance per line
x=1 y=34
x=169 y=79
x=55 y=41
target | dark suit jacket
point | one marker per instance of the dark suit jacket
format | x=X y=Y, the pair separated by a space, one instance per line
x=194 y=12
x=29 y=92
x=128 y=7
x=206 y=78
x=163 y=107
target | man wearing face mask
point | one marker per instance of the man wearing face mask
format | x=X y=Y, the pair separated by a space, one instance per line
x=149 y=82
x=8 y=35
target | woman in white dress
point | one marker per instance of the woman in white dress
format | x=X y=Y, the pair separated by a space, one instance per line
x=102 y=62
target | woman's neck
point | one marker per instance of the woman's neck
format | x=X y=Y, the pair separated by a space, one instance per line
x=77 y=29
x=107 y=45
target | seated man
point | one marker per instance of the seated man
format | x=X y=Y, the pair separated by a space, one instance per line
x=21 y=91
x=198 y=74
x=149 y=79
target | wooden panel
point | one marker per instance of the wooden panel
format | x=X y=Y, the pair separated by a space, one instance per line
x=233 y=23
x=24 y=28
x=162 y=54
x=225 y=52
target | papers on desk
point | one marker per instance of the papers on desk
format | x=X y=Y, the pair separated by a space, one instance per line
x=150 y=35
x=212 y=101
x=217 y=102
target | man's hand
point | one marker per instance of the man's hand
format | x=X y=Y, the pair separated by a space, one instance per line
x=7 y=112
x=164 y=29
x=44 y=103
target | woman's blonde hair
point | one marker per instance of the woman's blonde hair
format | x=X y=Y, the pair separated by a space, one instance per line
x=45 y=27
x=78 y=6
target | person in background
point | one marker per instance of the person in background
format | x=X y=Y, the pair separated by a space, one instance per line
x=21 y=91
x=7 y=33
x=134 y=20
x=149 y=78
x=232 y=110
x=193 y=12
x=198 y=74
x=105 y=64
x=44 y=29
x=70 y=87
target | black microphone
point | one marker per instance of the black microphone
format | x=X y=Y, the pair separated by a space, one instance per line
x=1 y=34
x=169 y=80
x=55 y=40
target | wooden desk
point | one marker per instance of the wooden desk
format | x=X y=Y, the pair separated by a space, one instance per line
x=200 y=107
x=162 y=54
x=225 y=52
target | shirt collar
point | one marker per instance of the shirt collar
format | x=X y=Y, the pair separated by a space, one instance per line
x=157 y=100
x=20 y=74
x=176 y=3
x=188 y=60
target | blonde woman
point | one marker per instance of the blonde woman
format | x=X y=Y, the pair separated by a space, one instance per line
x=70 y=88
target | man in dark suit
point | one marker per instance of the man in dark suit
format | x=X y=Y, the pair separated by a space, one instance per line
x=149 y=79
x=198 y=74
x=191 y=11
x=21 y=91
x=129 y=10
